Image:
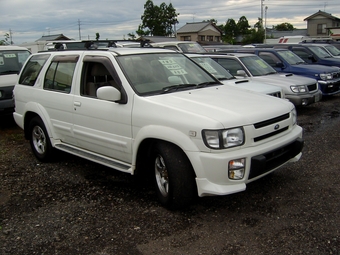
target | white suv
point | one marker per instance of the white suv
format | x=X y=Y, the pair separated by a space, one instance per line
x=154 y=110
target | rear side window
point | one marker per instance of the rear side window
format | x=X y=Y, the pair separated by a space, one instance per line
x=32 y=69
x=59 y=74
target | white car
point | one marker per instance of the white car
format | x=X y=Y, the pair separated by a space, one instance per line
x=226 y=78
x=142 y=110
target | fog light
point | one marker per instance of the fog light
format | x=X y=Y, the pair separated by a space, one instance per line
x=236 y=169
x=304 y=101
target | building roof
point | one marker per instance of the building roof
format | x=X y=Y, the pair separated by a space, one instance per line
x=325 y=14
x=195 y=27
x=53 y=38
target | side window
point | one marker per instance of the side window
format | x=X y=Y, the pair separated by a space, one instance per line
x=32 y=69
x=171 y=47
x=96 y=75
x=302 y=54
x=232 y=65
x=270 y=58
x=59 y=76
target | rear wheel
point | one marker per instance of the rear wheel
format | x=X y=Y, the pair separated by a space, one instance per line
x=174 y=176
x=39 y=140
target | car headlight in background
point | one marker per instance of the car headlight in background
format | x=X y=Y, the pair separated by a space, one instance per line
x=298 y=88
x=326 y=76
x=222 y=139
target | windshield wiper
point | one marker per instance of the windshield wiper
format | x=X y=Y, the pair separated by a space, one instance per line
x=204 y=84
x=270 y=73
x=10 y=72
x=177 y=87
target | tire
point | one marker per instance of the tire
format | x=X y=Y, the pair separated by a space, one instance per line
x=39 y=140
x=173 y=176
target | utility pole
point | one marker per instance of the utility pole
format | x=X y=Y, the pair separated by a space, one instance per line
x=262 y=13
x=265 y=24
x=79 y=29
x=10 y=37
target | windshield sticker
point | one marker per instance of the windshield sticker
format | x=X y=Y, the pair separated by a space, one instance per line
x=10 y=55
x=173 y=67
x=2 y=61
x=208 y=67
x=261 y=63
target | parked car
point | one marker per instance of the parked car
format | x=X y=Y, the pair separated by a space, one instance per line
x=156 y=113
x=310 y=53
x=300 y=90
x=226 y=78
x=180 y=46
x=11 y=60
x=330 y=49
x=286 y=61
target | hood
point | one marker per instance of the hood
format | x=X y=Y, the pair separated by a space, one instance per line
x=8 y=80
x=213 y=107
x=316 y=69
x=256 y=86
x=285 y=79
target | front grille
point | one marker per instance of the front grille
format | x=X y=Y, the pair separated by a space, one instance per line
x=259 y=138
x=271 y=121
x=312 y=87
x=265 y=162
x=332 y=89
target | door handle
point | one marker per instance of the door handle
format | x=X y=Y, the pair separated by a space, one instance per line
x=77 y=103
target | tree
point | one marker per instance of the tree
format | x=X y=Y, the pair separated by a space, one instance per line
x=243 y=26
x=284 y=27
x=230 y=31
x=157 y=20
x=97 y=36
x=212 y=21
x=6 y=41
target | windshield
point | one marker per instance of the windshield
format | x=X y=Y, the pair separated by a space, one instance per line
x=291 y=57
x=213 y=68
x=333 y=50
x=319 y=52
x=155 y=73
x=257 y=66
x=11 y=61
x=191 y=48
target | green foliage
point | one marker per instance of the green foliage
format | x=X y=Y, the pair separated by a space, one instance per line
x=213 y=21
x=284 y=27
x=230 y=31
x=243 y=26
x=157 y=20
x=6 y=41
x=97 y=36
x=255 y=36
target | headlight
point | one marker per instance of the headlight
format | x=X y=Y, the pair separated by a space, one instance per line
x=222 y=139
x=294 y=116
x=326 y=76
x=298 y=89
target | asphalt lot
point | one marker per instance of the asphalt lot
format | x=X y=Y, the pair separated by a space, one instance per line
x=72 y=206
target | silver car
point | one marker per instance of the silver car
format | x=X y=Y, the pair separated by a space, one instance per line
x=301 y=91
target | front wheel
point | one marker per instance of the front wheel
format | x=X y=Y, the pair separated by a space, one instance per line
x=174 y=176
x=39 y=140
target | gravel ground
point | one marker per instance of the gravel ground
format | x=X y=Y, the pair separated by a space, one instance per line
x=73 y=206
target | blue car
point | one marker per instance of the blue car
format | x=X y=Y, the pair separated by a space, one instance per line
x=286 y=61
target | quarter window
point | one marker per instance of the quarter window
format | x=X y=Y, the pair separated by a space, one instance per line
x=32 y=69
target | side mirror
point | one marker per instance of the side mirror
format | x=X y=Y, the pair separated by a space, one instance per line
x=241 y=73
x=279 y=65
x=108 y=93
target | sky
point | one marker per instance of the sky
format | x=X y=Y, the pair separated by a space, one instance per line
x=28 y=20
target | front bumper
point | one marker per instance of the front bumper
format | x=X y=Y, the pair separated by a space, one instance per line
x=329 y=88
x=305 y=99
x=212 y=168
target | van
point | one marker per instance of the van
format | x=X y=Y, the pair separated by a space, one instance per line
x=12 y=59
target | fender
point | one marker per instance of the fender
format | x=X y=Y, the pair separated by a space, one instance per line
x=164 y=133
